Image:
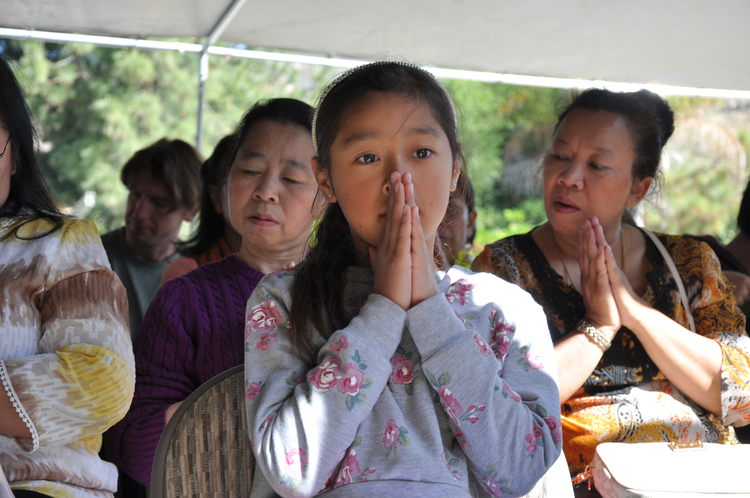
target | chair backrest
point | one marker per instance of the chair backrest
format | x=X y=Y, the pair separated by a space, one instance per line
x=204 y=450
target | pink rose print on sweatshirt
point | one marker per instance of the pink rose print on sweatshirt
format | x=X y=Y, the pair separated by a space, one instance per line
x=266 y=340
x=252 y=390
x=264 y=317
x=509 y=392
x=351 y=380
x=535 y=361
x=501 y=347
x=296 y=463
x=450 y=462
x=450 y=404
x=555 y=428
x=458 y=292
x=472 y=413
x=494 y=485
x=349 y=470
x=528 y=360
x=534 y=439
x=403 y=370
x=491 y=486
x=501 y=335
x=339 y=344
x=481 y=345
x=326 y=375
x=391 y=434
x=461 y=438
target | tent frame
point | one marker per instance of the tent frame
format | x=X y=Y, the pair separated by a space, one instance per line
x=208 y=48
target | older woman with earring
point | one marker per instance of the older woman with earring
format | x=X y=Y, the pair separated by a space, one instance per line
x=630 y=367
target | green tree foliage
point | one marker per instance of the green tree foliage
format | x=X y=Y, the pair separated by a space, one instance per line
x=96 y=107
x=704 y=170
x=492 y=114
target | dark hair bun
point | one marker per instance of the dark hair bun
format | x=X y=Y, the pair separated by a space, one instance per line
x=666 y=116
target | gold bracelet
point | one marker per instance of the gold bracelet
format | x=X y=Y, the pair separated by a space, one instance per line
x=593 y=335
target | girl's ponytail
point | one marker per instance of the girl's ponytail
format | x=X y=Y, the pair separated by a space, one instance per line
x=318 y=289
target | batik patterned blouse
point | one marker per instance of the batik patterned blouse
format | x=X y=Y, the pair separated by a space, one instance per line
x=627 y=398
x=66 y=360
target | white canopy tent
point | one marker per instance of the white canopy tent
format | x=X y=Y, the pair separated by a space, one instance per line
x=691 y=46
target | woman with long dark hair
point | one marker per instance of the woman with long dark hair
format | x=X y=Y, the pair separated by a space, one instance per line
x=66 y=362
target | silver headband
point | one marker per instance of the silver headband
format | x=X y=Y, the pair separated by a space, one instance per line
x=353 y=70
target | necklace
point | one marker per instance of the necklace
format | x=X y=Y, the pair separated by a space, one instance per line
x=565 y=267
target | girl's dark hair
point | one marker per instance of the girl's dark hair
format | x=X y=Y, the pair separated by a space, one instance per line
x=465 y=190
x=743 y=219
x=210 y=222
x=649 y=119
x=28 y=187
x=319 y=283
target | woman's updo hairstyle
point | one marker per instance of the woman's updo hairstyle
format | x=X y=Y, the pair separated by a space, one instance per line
x=320 y=280
x=649 y=119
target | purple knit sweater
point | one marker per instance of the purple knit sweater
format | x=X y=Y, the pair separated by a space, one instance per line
x=192 y=331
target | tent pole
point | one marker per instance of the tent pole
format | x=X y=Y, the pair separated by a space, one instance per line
x=203 y=71
x=202 y=77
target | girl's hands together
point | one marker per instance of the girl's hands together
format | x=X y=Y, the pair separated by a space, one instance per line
x=598 y=298
x=391 y=260
x=402 y=263
x=423 y=284
x=628 y=302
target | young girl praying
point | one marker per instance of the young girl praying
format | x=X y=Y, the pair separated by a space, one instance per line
x=367 y=370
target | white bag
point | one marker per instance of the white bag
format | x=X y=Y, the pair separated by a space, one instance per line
x=655 y=470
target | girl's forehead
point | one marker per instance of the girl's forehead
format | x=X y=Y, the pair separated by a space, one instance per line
x=381 y=113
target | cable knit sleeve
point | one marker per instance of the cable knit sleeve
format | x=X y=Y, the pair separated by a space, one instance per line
x=164 y=353
x=493 y=367
x=302 y=421
x=81 y=380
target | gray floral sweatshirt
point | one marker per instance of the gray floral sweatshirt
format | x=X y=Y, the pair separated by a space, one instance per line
x=455 y=397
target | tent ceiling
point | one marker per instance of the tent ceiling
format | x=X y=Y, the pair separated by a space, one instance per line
x=676 y=42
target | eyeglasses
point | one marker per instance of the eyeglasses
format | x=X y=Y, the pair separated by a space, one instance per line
x=6 y=145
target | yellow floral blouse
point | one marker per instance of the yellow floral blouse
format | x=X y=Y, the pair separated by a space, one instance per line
x=627 y=398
